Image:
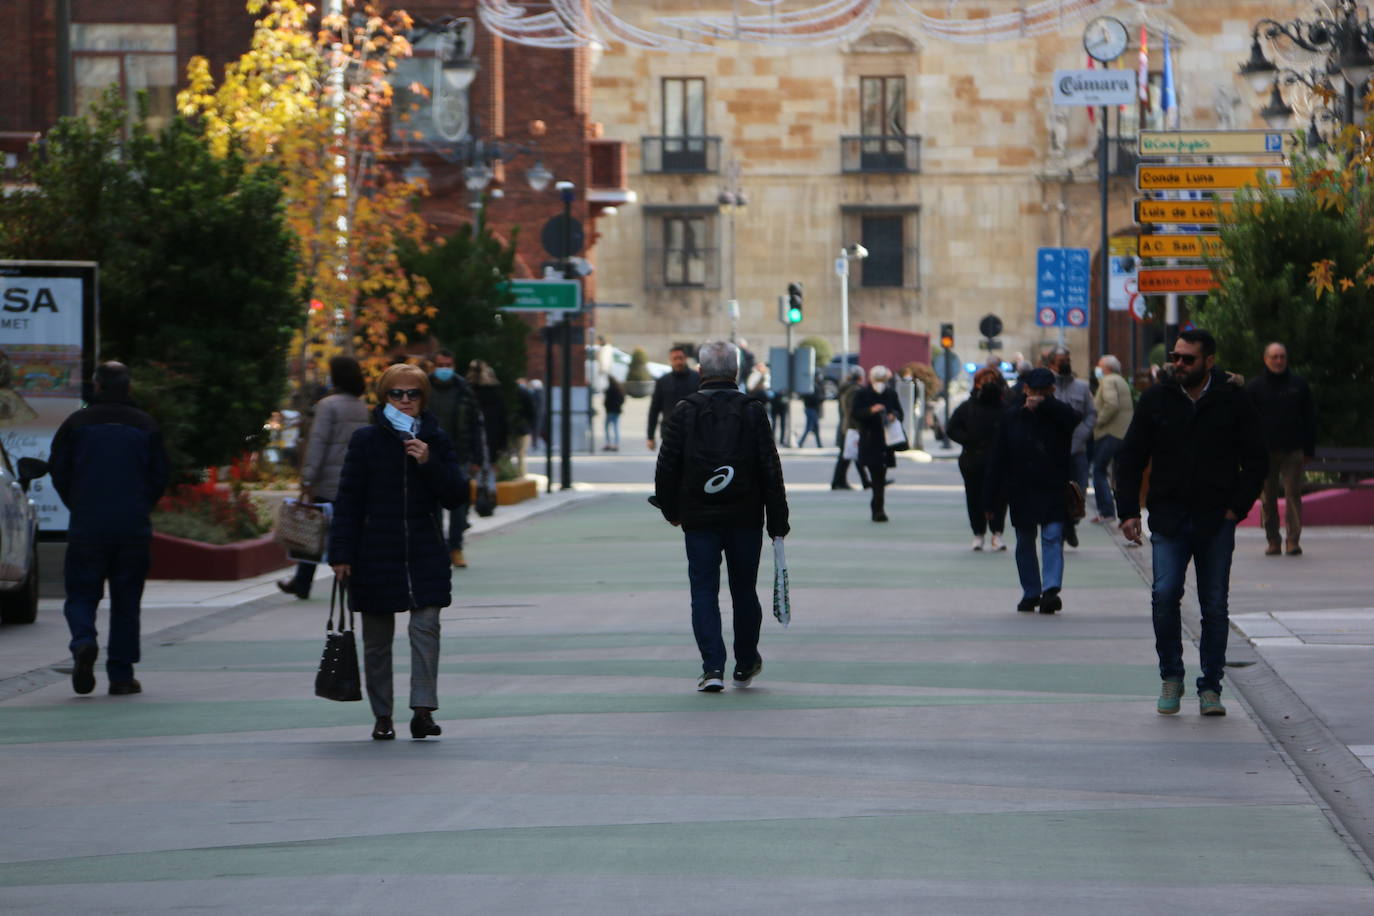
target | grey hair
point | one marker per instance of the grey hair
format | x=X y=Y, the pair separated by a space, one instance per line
x=1112 y=363
x=879 y=374
x=718 y=359
x=1060 y=350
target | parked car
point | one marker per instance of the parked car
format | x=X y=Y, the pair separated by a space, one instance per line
x=18 y=539
x=833 y=373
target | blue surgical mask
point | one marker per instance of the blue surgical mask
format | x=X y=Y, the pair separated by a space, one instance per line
x=402 y=423
x=1098 y=373
x=444 y=373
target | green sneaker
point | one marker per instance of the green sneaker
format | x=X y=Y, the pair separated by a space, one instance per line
x=1170 y=696
x=1209 y=703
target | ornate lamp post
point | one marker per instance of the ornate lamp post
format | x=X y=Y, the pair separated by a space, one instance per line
x=1340 y=34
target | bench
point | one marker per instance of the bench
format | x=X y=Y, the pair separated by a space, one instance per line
x=1350 y=466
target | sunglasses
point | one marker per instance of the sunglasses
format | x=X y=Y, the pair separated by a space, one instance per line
x=1186 y=358
x=405 y=394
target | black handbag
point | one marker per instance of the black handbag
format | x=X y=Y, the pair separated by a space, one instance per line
x=486 y=492
x=338 y=677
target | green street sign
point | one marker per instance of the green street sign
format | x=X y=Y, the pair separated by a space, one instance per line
x=544 y=296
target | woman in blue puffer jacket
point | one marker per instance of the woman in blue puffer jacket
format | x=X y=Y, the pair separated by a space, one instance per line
x=400 y=472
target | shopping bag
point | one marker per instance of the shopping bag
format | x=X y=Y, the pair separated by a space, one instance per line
x=782 y=602
x=338 y=677
x=1075 y=502
x=303 y=529
x=894 y=435
x=485 y=503
x=851 y=445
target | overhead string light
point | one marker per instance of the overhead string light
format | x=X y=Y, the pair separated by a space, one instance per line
x=572 y=23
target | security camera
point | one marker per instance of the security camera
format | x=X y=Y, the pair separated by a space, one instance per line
x=857 y=251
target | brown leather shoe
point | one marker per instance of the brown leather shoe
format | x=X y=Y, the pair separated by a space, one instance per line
x=1272 y=550
x=1293 y=550
x=456 y=556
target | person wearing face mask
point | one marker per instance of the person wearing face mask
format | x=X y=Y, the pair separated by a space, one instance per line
x=337 y=417
x=1075 y=393
x=873 y=407
x=1204 y=443
x=1029 y=470
x=454 y=404
x=974 y=425
x=399 y=474
x=1114 y=411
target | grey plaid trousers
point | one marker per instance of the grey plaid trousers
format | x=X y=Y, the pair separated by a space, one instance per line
x=378 y=632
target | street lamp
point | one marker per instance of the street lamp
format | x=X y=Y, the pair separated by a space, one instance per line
x=855 y=252
x=1337 y=32
x=731 y=199
x=1278 y=112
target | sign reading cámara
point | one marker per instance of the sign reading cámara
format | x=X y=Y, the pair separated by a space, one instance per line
x=1094 y=87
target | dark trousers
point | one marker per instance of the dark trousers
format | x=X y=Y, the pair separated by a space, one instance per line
x=1210 y=549
x=125 y=567
x=741 y=548
x=877 y=478
x=457 y=524
x=973 y=473
x=841 y=475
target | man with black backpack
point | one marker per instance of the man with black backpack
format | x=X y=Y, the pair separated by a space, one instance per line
x=718 y=471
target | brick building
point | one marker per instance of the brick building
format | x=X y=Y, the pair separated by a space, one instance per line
x=520 y=106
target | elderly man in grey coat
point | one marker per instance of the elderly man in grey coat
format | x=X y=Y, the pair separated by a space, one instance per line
x=1076 y=393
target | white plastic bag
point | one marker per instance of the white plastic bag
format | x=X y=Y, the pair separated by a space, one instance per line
x=851 y=445
x=782 y=602
x=893 y=433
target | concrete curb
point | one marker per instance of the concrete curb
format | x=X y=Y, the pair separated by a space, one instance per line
x=1338 y=781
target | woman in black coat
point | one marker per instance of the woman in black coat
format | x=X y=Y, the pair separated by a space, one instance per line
x=386 y=540
x=874 y=405
x=974 y=425
x=492 y=401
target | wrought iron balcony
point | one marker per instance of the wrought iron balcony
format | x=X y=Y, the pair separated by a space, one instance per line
x=1122 y=157
x=887 y=153
x=681 y=155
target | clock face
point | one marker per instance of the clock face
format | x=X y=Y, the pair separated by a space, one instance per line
x=1104 y=39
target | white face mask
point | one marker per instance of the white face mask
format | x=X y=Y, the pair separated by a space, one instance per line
x=879 y=387
x=401 y=422
x=1098 y=373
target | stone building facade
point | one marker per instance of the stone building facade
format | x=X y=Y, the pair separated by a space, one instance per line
x=946 y=160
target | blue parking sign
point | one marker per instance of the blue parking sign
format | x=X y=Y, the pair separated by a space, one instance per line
x=1063 y=277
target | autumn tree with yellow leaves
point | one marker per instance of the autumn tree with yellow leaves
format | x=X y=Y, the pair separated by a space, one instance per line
x=311 y=97
x=1299 y=269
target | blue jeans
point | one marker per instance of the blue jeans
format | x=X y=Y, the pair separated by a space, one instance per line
x=88 y=567
x=1210 y=549
x=813 y=426
x=1029 y=567
x=612 y=426
x=741 y=547
x=1104 y=460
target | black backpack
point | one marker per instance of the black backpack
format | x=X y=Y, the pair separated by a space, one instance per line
x=720 y=466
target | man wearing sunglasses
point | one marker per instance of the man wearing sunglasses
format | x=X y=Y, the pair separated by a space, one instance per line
x=1201 y=437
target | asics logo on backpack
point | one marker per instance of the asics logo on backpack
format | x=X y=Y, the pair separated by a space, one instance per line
x=720 y=481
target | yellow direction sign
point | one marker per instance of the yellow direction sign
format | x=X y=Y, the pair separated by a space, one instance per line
x=1181 y=211
x=1215 y=142
x=1179 y=246
x=1210 y=177
x=1176 y=280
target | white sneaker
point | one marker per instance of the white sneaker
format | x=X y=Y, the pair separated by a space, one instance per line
x=998 y=543
x=978 y=542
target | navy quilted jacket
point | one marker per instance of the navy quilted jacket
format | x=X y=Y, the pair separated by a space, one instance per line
x=388 y=518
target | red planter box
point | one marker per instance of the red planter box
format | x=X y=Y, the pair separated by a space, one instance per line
x=178 y=558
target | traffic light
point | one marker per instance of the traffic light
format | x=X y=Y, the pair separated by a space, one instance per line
x=794 y=303
x=947 y=335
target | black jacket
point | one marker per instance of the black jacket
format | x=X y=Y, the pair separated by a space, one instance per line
x=614 y=399
x=670 y=388
x=454 y=405
x=1030 y=465
x=1204 y=459
x=771 y=493
x=109 y=466
x=873 y=450
x=1287 y=415
x=387 y=518
x=974 y=425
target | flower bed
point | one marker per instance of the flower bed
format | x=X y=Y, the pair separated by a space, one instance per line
x=212 y=532
x=182 y=558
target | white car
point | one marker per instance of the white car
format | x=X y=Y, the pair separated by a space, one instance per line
x=18 y=539
x=618 y=366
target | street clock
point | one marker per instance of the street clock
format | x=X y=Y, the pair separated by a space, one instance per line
x=1105 y=39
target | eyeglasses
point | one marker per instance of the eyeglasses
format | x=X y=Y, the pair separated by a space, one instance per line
x=405 y=394
x=1186 y=358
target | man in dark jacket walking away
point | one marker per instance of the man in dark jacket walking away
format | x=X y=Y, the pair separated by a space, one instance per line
x=454 y=405
x=1029 y=471
x=669 y=389
x=717 y=473
x=1289 y=420
x=1202 y=439
x=110 y=468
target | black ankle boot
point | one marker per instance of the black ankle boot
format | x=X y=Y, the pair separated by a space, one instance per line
x=423 y=725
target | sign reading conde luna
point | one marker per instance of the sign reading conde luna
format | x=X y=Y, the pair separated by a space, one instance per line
x=47 y=347
x=1094 y=87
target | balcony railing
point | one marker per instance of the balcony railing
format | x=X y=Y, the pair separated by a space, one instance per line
x=1122 y=157
x=889 y=153
x=681 y=155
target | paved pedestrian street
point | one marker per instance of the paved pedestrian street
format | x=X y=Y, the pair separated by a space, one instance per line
x=913 y=745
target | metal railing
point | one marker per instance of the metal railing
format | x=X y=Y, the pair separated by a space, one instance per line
x=680 y=155
x=887 y=153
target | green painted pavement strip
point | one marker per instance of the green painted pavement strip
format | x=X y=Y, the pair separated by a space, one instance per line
x=147 y=719
x=1262 y=845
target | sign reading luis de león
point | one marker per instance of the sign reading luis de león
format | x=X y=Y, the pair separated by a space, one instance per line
x=47 y=348
x=1094 y=87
